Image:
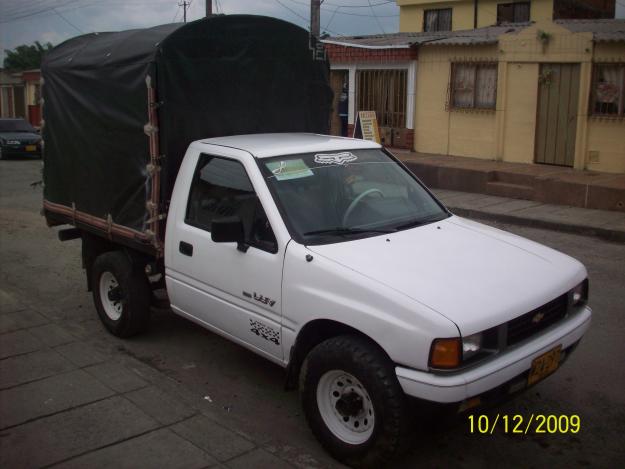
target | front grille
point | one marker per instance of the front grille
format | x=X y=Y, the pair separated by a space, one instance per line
x=535 y=321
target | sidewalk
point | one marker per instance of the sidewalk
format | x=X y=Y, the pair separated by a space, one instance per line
x=545 y=184
x=68 y=398
x=606 y=224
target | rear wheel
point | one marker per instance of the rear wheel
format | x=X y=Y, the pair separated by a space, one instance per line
x=121 y=294
x=353 y=401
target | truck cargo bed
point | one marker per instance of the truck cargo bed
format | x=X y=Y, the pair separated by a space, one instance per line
x=120 y=110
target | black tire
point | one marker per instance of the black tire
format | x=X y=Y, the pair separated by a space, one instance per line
x=368 y=364
x=134 y=294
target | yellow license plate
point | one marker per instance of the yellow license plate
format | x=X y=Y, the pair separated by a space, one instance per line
x=31 y=147
x=544 y=365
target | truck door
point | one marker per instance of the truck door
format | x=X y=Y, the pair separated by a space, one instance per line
x=234 y=293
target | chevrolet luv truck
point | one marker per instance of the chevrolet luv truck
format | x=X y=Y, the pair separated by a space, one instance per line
x=328 y=257
x=191 y=158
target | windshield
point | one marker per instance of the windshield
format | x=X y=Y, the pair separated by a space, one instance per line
x=15 y=125
x=333 y=196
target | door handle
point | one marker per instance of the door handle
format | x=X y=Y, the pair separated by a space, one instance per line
x=185 y=248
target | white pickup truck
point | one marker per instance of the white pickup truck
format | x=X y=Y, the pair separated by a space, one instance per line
x=327 y=256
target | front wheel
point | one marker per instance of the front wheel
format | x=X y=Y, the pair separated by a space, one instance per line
x=353 y=401
x=121 y=294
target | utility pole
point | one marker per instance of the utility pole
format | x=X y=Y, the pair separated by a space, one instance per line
x=209 y=7
x=184 y=6
x=315 y=20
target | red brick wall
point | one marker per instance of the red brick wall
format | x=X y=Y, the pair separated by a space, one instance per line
x=34 y=75
x=344 y=54
x=409 y=140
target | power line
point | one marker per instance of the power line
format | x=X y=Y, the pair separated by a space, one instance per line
x=347 y=6
x=176 y=15
x=293 y=11
x=377 y=20
x=352 y=14
x=304 y=18
x=332 y=17
x=48 y=10
x=26 y=13
x=69 y=22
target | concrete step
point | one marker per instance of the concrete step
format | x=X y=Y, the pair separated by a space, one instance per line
x=518 y=178
x=507 y=189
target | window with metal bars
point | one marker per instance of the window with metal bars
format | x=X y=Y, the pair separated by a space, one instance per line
x=473 y=85
x=437 y=20
x=383 y=91
x=608 y=90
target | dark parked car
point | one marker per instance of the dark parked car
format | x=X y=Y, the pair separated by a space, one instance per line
x=18 y=138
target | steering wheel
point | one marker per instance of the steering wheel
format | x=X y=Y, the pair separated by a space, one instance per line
x=357 y=200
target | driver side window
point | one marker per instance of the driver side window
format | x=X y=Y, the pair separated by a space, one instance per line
x=221 y=188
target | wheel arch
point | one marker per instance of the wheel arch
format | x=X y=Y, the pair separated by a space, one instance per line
x=94 y=246
x=312 y=334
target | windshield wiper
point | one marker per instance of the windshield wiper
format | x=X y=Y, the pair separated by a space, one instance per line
x=422 y=221
x=343 y=231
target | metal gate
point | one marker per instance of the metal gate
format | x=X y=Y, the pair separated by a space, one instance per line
x=20 y=104
x=338 y=119
x=383 y=91
x=556 y=122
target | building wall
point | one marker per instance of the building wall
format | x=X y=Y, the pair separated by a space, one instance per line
x=462 y=17
x=411 y=16
x=606 y=137
x=509 y=132
x=521 y=101
x=352 y=59
x=487 y=11
x=454 y=132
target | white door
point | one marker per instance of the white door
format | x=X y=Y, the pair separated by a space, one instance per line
x=233 y=292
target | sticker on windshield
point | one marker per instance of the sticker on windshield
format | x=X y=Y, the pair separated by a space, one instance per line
x=335 y=158
x=289 y=169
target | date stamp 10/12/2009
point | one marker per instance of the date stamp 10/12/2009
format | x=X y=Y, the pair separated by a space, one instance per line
x=524 y=425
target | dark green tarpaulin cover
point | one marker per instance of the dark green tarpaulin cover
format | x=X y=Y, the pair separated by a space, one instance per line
x=222 y=75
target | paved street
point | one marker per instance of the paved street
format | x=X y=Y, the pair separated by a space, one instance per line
x=179 y=396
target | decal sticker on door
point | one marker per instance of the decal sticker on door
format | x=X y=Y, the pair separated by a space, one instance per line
x=266 y=332
x=260 y=298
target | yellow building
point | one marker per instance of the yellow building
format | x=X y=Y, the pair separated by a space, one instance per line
x=548 y=92
x=552 y=93
x=455 y=15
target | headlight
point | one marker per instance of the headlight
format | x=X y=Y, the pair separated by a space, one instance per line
x=456 y=352
x=471 y=345
x=578 y=296
x=13 y=142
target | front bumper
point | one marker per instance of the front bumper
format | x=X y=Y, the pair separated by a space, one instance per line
x=19 y=151
x=456 y=387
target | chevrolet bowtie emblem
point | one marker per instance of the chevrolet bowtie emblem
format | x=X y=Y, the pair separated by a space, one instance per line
x=538 y=317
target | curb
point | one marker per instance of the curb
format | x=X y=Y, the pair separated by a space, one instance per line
x=603 y=233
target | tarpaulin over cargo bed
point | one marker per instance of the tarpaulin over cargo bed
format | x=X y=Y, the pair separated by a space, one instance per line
x=222 y=75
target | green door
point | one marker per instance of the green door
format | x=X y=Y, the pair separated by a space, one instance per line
x=556 y=123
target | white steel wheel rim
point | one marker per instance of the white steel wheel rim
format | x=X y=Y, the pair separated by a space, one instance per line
x=345 y=407
x=112 y=308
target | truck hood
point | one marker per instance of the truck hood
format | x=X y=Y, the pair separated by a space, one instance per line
x=475 y=275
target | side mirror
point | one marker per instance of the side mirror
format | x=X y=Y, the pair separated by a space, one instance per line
x=229 y=230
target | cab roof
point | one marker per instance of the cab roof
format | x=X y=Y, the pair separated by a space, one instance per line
x=268 y=145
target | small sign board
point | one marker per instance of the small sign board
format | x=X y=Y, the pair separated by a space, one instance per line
x=366 y=126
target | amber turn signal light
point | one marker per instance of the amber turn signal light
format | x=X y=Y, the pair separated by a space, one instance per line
x=446 y=353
